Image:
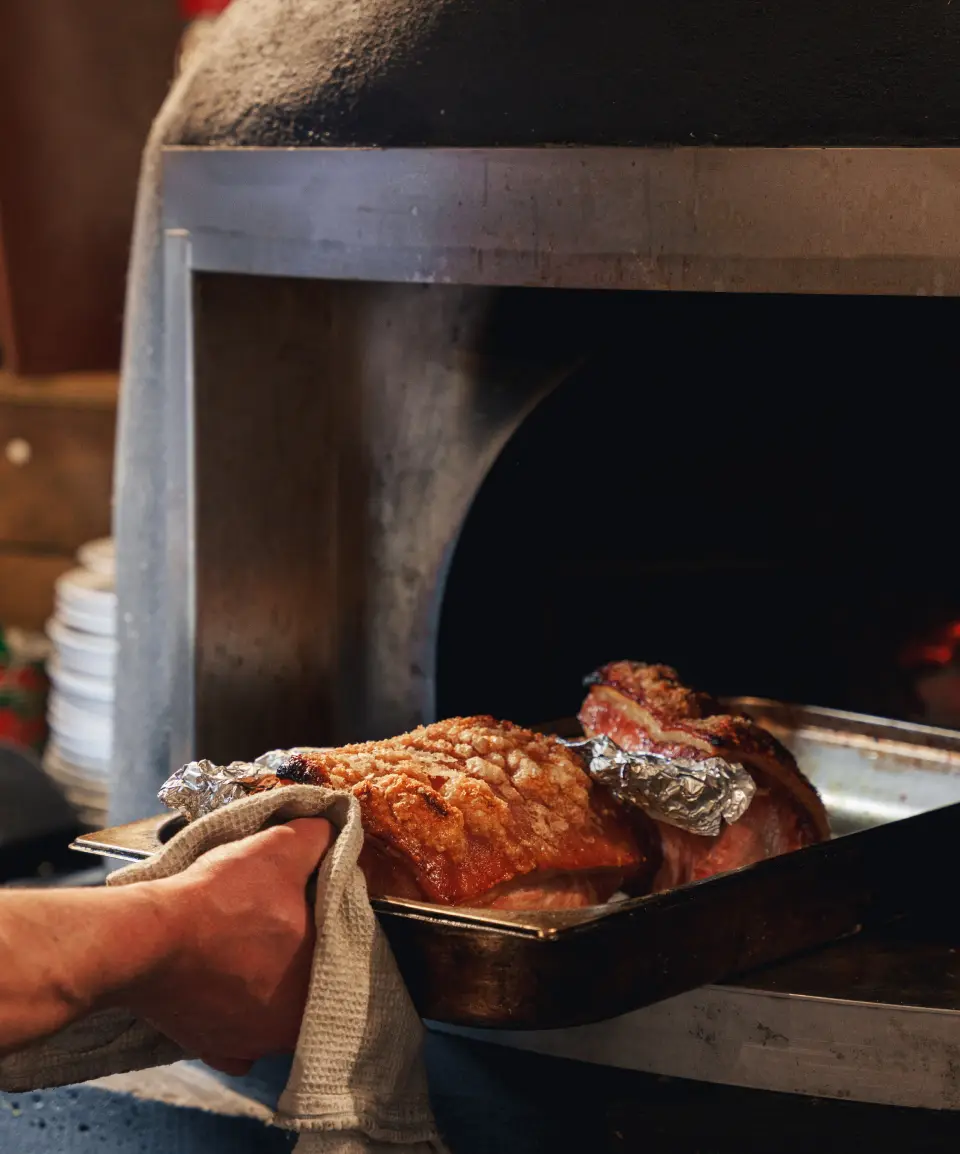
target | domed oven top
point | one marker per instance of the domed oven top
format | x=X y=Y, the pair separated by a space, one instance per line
x=526 y=72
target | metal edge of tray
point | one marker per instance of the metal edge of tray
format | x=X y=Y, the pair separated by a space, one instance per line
x=819 y=719
x=139 y=840
x=134 y=842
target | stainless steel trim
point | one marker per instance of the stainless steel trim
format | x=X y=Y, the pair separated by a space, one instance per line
x=822 y=220
x=181 y=490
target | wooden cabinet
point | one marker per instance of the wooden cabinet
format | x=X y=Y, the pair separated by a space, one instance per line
x=80 y=83
x=56 y=466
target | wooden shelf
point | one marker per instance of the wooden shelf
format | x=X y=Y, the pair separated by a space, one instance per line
x=26 y=587
x=56 y=464
x=67 y=390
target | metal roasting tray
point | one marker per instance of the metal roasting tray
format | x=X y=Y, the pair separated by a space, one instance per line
x=892 y=790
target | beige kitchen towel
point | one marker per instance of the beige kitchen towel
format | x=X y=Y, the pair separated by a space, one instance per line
x=358 y=1084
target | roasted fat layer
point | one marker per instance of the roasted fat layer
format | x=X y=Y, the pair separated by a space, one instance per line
x=471 y=805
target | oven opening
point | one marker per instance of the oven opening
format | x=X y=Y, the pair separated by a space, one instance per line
x=759 y=491
x=418 y=501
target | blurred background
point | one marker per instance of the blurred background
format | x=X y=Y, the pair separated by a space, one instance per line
x=79 y=87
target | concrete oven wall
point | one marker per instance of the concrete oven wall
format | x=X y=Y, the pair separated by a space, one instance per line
x=502 y=72
x=341 y=432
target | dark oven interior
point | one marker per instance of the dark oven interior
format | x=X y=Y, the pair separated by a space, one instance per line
x=757 y=490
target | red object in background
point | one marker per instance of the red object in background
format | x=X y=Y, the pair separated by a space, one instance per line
x=198 y=16
x=933 y=665
x=191 y=9
x=939 y=648
x=23 y=696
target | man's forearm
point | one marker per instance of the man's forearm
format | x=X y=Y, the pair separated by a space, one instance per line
x=66 y=953
x=217 y=957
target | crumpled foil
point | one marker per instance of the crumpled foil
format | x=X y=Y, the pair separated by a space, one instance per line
x=698 y=796
x=200 y=787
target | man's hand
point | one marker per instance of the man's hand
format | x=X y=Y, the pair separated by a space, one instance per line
x=232 y=985
x=218 y=957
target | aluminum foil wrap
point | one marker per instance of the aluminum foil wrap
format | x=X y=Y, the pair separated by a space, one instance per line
x=698 y=796
x=200 y=787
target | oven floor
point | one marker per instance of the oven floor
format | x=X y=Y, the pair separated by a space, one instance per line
x=487 y=1099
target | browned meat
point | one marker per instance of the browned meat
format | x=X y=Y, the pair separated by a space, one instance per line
x=473 y=811
x=645 y=707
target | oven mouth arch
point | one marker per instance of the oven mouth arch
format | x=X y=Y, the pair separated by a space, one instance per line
x=826 y=441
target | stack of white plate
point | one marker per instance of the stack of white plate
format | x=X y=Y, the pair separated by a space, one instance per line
x=82 y=673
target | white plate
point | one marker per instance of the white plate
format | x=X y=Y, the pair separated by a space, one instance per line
x=83 y=795
x=96 y=767
x=86 y=793
x=79 y=689
x=98 y=556
x=97 y=623
x=91 y=592
x=85 y=753
x=84 y=653
x=80 y=716
x=86 y=601
x=60 y=766
x=91 y=745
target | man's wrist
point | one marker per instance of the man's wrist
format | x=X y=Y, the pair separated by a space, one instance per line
x=73 y=952
x=146 y=929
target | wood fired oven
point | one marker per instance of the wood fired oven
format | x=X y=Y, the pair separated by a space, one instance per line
x=475 y=377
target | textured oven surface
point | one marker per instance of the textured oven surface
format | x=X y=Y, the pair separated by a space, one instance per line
x=389 y=73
